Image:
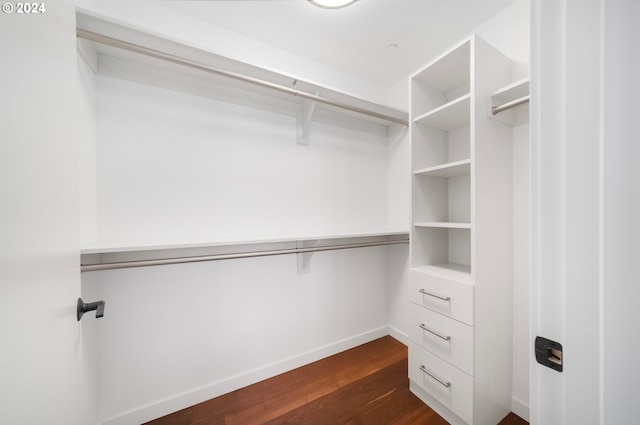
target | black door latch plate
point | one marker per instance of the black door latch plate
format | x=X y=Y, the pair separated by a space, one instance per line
x=549 y=353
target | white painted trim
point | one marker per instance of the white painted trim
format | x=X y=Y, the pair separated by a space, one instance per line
x=602 y=123
x=182 y=401
x=398 y=335
x=520 y=408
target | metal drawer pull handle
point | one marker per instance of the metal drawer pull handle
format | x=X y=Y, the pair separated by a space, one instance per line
x=422 y=291
x=444 y=383
x=424 y=328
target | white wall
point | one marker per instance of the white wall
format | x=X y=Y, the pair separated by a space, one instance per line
x=521 y=269
x=174 y=166
x=398 y=162
x=177 y=335
x=87 y=159
x=509 y=31
x=398 y=213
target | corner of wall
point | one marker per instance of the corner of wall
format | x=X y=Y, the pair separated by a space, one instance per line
x=509 y=31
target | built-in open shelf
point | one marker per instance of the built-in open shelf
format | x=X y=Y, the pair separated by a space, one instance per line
x=451 y=115
x=452 y=169
x=444 y=225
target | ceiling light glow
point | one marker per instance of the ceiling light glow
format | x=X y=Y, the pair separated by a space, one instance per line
x=331 y=4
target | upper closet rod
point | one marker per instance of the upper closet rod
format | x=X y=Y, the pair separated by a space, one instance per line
x=497 y=109
x=99 y=38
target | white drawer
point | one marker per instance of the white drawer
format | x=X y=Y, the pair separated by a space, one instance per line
x=447 y=384
x=443 y=336
x=445 y=296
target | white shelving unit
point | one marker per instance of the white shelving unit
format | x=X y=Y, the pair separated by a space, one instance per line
x=460 y=267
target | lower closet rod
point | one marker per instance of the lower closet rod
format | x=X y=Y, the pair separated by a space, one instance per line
x=182 y=260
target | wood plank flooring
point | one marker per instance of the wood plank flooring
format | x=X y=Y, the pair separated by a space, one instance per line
x=366 y=385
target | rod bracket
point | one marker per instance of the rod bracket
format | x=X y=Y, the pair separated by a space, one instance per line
x=303 y=121
x=304 y=258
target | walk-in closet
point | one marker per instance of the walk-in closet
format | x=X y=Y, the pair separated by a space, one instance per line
x=215 y=213
x=248 y=222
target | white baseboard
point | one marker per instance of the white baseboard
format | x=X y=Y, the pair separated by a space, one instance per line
x=398 y=335
x=520 y=408
x=182 y=401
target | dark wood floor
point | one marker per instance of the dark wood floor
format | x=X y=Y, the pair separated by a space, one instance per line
x=366 y=385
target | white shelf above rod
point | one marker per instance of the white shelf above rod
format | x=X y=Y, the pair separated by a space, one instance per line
x=135 y=48
x=234 y=255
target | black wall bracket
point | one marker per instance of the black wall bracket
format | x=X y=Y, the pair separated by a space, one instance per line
x=549 y=353
x=83 y=307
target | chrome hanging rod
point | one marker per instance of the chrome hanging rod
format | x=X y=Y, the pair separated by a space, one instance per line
x=121 y=44
x=497 y=109
x=197 y=259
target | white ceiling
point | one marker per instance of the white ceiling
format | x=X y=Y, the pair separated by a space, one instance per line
x=354 y=39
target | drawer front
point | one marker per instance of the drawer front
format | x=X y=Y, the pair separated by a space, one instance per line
x=428 y=291
x=447 y=384
x=443 y=336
